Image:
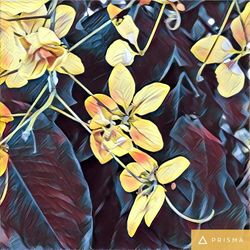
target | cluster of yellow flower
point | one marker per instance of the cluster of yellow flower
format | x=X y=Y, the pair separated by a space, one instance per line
x=28 y=44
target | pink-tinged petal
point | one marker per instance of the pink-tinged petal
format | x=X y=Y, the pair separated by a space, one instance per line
x=146 y=135
x=146 y=161
x=136 y=214
x=149 y=98
x=121 y=86
x=156 y=200
x=172 y=169
x=5 y=114
x=96 y=144
x=4 y=158
x=101 y=103
x=128 y=182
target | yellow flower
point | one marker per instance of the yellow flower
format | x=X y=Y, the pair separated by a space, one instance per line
x=218 y=49
x=5 y=117
x=123 y=109
x=146 y=176
x=44 y=50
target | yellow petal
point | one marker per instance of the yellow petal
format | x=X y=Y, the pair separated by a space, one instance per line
x=32 y=69
x=65 y=16
x=121 y=86
x=5 y=114
x=230 y=78
x=156 y=200
x=146 y=135
x=15 y=80
x=47 y=36
x=9 y=48
x=101 y=104
x=149 y=98
x=127 y=29
x=117 y=142
x=31 y=25
x=71 y=64
x=16 y=7
x=136 y=214
x=128 y=182
x=97 y=148
x=172 y=169
x=4 y=158
x=2 y=128
x=146 y=161
x=242 y=33
x=113 y=10
x=220 y=51
x=120 y=52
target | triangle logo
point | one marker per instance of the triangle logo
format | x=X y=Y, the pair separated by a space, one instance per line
x=202 y=241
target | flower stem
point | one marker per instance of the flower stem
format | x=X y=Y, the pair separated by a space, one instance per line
x=28 y=18
x=81 y=85
x=199 y=221
x=85 y=125
x=218 y=34
x=90 y=35
x=63 y=112
x=154 y=29
x=14 y=115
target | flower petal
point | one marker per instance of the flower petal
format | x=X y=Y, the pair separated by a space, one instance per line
x=156 y=200
x=120 y=52
x=172 y=169
x=100 y=103
x=97 y=148
x=113 y=10
x=230 y=78
x=16 y=7
x=242 y=33
x=136 y=214
x=121 y=86
x=146 y=135
x=127 y=29
x=9 y=48
x=128 y=182
x=47 y=37
x=146 y=161
x=5 y=114
x=71 y=64
x=2 y=128
x=4 y=158
x=219 y=50
x=31 y=25
x=64 y=19
x=149 y=98
x=15 y=80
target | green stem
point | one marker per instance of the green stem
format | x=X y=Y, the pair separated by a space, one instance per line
x=81 y=85
x=154 y=29
x=27 y=18
x=85 y=125
x=13 y=115
x=218 y=34
x=199 y=221
x=90 y=35
x=63 y=113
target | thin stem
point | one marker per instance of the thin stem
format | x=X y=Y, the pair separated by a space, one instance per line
x=13 y=115
x=90 y=35
x=199 y=221
x=154 y=29
x=218 y=34
x=81 y=85
x=85 y=125
x=6 y=184
x=27 y=18
x=63 y=113
x=123 y=165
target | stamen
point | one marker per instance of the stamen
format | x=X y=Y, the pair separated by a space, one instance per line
x=199 y=221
